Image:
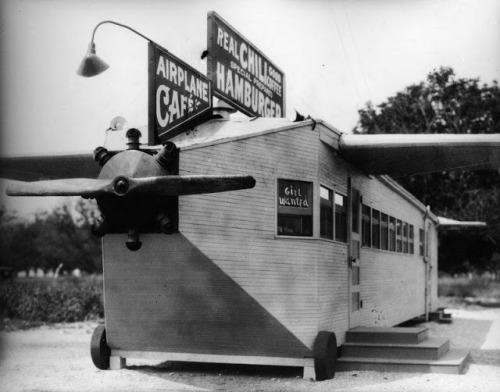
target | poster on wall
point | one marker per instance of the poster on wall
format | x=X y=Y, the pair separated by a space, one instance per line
x=179 y=96
x=241 y=75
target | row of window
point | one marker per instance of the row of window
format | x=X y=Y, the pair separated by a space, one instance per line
x=378 y=230
x=382 y=231
x=295 y=212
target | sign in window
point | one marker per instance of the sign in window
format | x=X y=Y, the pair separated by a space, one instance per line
x=295 y=212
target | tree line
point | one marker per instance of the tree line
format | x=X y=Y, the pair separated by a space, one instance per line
x=444 y=103
x=61 y=236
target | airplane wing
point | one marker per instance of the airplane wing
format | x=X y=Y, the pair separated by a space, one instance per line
x=442 y=221
x=422 y=153
x=33 y=168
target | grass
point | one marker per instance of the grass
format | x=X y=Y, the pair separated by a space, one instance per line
x=463 y=286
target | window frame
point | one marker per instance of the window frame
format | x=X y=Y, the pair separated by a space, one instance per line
x=421 y=242
x=405 y=237
x=375 y=229
x=366 y=226
x=399 y=236
x=290 y=212
x=392 y=234
x=329 y=235
x=411 y=240
x=384 y=231
x=344 y=215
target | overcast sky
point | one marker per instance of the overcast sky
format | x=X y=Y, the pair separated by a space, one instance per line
x=336 y=55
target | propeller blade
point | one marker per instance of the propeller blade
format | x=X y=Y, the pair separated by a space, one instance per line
x=68 y=187
x=189 y=185
x=121 y=186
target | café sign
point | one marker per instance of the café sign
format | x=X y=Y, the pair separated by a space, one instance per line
x=241 y=75
x=179 y=96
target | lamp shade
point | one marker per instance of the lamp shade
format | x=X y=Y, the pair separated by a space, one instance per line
x=91 y=64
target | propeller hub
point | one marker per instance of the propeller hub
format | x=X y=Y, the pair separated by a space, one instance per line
x=121 y=185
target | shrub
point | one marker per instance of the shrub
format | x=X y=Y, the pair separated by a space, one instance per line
x=463 y=286
x=52 y=300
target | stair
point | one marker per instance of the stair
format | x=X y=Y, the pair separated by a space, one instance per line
x=440 y=316
x=399 y=349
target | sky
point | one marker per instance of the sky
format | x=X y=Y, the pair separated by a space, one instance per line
x=336 y=55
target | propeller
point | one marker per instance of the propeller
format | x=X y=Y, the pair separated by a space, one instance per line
x=172 y=185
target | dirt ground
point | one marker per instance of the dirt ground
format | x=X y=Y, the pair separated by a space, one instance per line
x=57 y=358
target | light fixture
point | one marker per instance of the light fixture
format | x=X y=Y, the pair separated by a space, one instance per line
x=92 y=64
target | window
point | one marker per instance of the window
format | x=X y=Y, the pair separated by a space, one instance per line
x=355 y=301
x=375 y=229
x=411 y=246
x=399 y=238
x=421 y=236
x=356 y=202
x=326 y=213
x=384 y=232
x=340 y=218
x=295 y=208
x=405 y=237
x=366 y=226
x=392 y=234
x=355 y=275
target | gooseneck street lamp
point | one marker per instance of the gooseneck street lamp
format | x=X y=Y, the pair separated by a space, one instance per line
x=92 y=64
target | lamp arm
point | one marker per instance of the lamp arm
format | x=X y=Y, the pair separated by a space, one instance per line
x=121 y=25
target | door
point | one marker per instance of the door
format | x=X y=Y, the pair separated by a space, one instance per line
x=354 y=261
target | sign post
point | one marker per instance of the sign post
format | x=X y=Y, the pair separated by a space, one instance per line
x=241 y=74
x=179 y=96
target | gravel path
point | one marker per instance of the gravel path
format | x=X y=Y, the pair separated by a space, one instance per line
x=56 y=358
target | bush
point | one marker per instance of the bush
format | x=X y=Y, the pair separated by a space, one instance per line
x=52 y=300
x=463 y=286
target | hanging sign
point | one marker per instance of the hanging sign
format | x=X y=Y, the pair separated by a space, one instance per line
x=241 y=75
x=179 y=96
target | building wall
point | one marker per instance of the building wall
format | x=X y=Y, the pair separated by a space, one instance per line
x=392 y=284
x=434 y=304
x=237 y=230
x=333 y=274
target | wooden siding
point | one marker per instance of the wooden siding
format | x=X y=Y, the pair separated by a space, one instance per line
x=170 y=297
x=434 y=304
x=392 y=284
x=333 y=285
x=237 y=230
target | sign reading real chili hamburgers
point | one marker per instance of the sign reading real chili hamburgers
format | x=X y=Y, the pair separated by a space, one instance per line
x=241 y=74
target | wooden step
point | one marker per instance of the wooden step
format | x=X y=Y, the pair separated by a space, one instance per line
x=394 y=335
x=431 y=349
x=453 y=362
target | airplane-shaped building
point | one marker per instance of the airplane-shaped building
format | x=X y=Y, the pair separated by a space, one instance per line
x=282 y=267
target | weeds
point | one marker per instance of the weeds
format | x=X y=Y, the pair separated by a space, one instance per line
x=463 y=286
x=38 y=301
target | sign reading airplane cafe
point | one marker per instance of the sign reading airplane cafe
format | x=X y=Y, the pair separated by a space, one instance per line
x=179 y=96
x=241 y=74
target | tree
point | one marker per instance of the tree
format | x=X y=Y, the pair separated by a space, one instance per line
x=62 y=236
x=444 y=103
